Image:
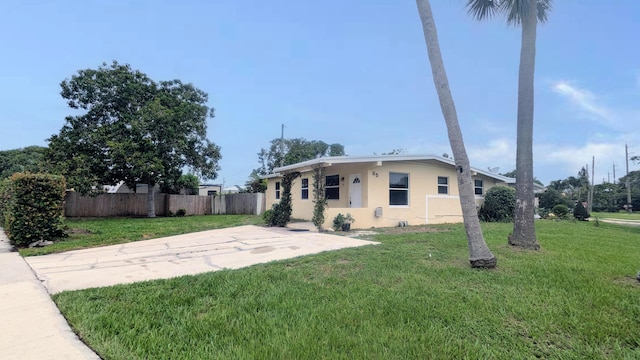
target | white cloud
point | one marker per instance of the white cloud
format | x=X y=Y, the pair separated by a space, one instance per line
x=495 y=153
x=585 y=101
x=559 y=162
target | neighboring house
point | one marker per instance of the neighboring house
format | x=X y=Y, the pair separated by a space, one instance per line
x=233 y=189
x=121 y=188
x=382 y=191
x=210 y=189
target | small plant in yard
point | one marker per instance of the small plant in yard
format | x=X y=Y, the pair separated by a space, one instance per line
x=181 y=212
x=343 y=222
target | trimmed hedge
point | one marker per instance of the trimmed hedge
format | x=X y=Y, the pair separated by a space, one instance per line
x=580 y=213
x=32 y=208
x=499 y=204
x=561 y=211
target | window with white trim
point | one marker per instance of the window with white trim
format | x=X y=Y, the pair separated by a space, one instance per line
x=278 y=190
x=398 y=188
x=443 y=185
x=478 y=186
x=305 y=189
x=332 y=187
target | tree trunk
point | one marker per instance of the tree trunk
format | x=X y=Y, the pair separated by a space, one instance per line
x=524 y=231
x=479 y=254
x=151 y=201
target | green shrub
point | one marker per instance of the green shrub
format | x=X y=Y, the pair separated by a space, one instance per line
x=499 y=204
x=319 y=199
x=341 y=220
x=338 y=221
x=543 y=212
x=181 y=212
x=561 y=211
x=34 y=208
x=277 y=216
x=267 y=216
x=579 y=212
x=4 y=198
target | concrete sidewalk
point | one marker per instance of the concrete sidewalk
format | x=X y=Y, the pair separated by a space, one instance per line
x=31 y=327
x=187 y=254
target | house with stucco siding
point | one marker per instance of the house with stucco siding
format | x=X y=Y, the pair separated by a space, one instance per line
x=381 y=191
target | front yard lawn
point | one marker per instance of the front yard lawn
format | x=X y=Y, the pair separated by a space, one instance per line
x=94 y=232
x=411 y=297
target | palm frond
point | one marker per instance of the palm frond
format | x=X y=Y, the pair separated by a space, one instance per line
x=483 y=9
x=544 y=8
x=517 y=10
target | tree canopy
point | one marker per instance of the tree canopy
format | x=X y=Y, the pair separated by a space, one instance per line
x=283 y=152
x=28 y=159
x=131 y=129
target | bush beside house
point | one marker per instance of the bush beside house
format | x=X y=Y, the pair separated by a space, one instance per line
x=499 y=204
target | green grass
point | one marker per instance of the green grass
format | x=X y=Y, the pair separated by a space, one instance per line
x=622 y=215
x=411 y=297
x=87 y=233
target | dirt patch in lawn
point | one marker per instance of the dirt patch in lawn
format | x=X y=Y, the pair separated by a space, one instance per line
x=79 y=231
x=415 y=229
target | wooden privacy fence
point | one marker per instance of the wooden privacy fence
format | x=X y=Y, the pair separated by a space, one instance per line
x=106 y=205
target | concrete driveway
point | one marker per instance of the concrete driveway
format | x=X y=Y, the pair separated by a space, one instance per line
x=187 y=254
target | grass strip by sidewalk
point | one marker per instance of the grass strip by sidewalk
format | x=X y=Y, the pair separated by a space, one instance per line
x=621 y=215
x=411 y=297
x=87 y=233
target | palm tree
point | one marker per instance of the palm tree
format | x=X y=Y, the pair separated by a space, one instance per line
x=479 y=254
x=525 y=13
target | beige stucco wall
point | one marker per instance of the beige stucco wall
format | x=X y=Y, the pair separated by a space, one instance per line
x=426 y=206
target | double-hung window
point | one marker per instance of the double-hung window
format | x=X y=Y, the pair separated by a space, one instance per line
x=479 y=189
x=443 y=185
x=278 y=190
x=398 y=188
x=332 y=187
x=305 y=189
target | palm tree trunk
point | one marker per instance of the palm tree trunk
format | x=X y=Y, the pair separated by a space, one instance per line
x=151 y=200
x=524 y=231
x=479 y=254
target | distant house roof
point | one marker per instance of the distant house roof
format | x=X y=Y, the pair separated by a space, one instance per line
x=232 y=189
x=330 y=160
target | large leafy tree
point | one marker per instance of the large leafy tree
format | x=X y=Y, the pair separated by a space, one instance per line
x=479 y=254
x=28 y=159
x=525 y=13
x=132 y=129
x=283 y=152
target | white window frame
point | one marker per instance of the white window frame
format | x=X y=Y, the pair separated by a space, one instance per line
x=443 y=185
x=326 y=187
x=399 y=189
x=304 y=190
x=480 y=187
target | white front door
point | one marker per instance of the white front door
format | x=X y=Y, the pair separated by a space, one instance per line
x=355 y=191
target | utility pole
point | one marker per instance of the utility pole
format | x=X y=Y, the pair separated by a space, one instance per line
x=614 y=173
x=628 y=182
x=282 y=146
x=593 y=184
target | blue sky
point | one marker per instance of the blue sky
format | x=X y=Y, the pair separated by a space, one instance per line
x=353 y=72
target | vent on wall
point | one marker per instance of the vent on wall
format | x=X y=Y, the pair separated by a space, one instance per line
x=378 y=212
